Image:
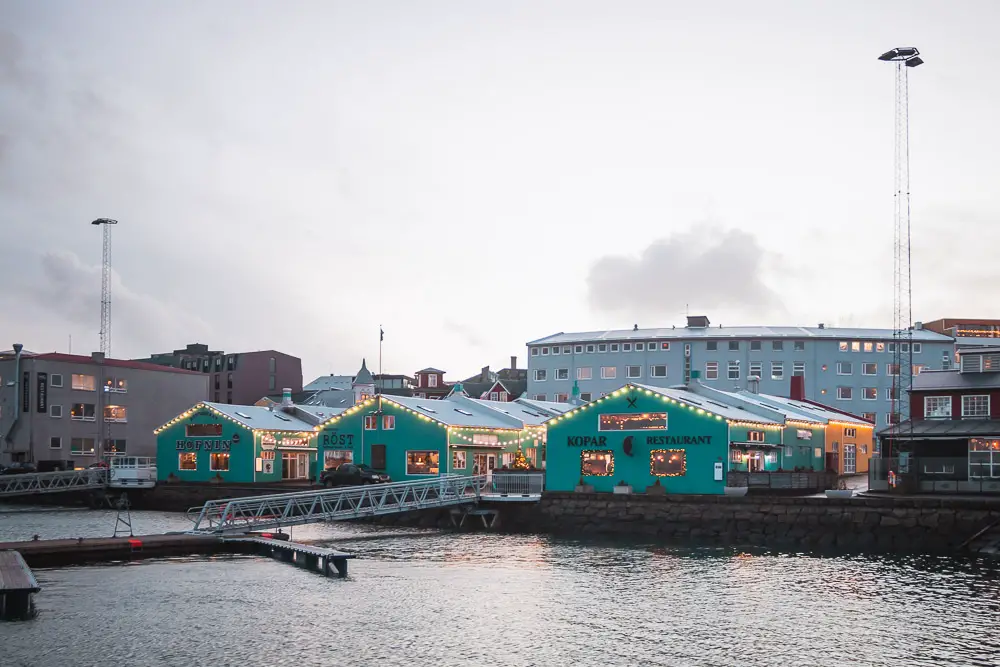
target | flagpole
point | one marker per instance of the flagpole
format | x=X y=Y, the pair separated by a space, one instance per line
x=381 y=337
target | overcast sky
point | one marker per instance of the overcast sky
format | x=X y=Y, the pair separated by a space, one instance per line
x=474 y=175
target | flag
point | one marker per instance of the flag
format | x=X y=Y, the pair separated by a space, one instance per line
x=381 y=335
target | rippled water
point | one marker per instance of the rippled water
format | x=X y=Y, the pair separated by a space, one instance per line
x=428 y=598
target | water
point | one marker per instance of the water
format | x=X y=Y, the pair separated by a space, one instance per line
x=427 y=598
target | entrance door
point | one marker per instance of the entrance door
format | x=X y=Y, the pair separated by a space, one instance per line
x=483 y=464
x=294 y=465
x=755 y=461
x=850 y=459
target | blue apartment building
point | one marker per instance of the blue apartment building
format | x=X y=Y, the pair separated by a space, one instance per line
x=846 y=368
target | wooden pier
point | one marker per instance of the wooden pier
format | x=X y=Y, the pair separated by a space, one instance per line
x=17 y=585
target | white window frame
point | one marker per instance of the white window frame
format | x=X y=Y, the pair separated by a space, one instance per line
x=614 y=347
x=55 y=411
x=639 y=347
x=850 y=432
x=945 y=401
x=406 y=462
x=388 y=422
x=755 y=436
x=777 y=370
x=116 y=420
x=567 y=349
x=850 y=459
x=868 y=346
x=840 y=394
x=652 y=371
x=371 y=423
x=84 y=417
x=730 y=367
x=609 y=372
x=756 y=368
x=432 y=380
x=918 y=348
x=864 y=368
x=965 y=411
x=57 y=438
x=888 y=370
x=82 y=386
x=630 y=376
x=561 y=374
x=582 y=375
x=798 y=369
x=602 y=347
x=873 y=415
x=459 y=460
x=711 y=367
x=626 y=347
x=591 y=348
x=842 y=364
x=180 y=458
x=865 y=398
x=879 y=346
x=494 y=395
x=664 y=346
x=578 y=349
x=52 y=380
x=555 y=349
x=211 y=462
x=545 y=351
x=541 y=375
x=539 y=397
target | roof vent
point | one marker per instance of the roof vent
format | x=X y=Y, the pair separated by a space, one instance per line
x=822 y=326
x=697 y=321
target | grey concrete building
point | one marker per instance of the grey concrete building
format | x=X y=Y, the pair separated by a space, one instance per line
x=62 y=407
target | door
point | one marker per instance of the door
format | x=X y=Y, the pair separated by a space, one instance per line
x=755 y=461
x=483 y=464
x=850 y=459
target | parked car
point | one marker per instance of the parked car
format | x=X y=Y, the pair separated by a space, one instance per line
x=17 y=469
x=352 y=474
x=99 y=464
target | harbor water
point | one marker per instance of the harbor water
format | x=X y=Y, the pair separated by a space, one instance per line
x=418 y=597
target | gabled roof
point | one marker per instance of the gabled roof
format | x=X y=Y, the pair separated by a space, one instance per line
x=954 y=379
x=523 y=413
x=813 y=411
x=551 y=407
x=111 y=363
x=364 y=376
x=251 y=416
x=689 y=398
x=329 y=382
x=317 y=414
x=431 y=370
x=944 y=429
x=454 y=412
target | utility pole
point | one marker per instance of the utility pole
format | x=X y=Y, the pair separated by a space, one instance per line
x=904 y=58
x=105 y=332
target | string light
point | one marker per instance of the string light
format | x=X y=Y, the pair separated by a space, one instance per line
x=670 y=456
x=594 y=455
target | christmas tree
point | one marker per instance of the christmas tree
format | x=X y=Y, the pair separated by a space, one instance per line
x=520 y=461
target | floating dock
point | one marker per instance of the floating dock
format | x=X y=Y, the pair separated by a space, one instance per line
x=319 y=559
x=17 y=586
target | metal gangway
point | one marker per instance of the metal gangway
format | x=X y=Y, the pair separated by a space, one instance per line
x=53 y=482
x=338 y=504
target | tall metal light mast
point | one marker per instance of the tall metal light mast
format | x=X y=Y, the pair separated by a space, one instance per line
x=106 y=285
x=902 y=359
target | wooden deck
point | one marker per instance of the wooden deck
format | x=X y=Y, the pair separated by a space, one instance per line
x=15 y=576
x=58 y=553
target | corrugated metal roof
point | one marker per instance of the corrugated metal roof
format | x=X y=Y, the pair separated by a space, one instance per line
x=261 y=418
x=946 y=428
x=325 y=382
x=320 y=413
x=750 y=332
x=688 y=397
x=554 y=409
x=934 y=380
x=808 y=411
x=454 y=412
x=523 y=413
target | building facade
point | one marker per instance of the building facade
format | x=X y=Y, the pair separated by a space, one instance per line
x=848 y=369
x=56 y=408
x=236 y=378
x=979 y=332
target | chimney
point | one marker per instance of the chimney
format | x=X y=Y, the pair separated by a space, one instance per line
x=286 y=399
x=822 y=326
x=98 y=357
x=513 y=362
x=753 y=384
x=484 y=374
x=697 y=321
x=797 y=392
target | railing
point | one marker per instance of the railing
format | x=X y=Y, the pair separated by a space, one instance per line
x=514 y=485
x=804 y=481
x=930 y=474
x=132 y=471
x=52 y=482
x=292 y=509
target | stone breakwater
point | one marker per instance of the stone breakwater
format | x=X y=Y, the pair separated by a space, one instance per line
x=858 y=523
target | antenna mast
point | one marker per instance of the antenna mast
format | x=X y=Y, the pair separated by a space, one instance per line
x=904 y=58
x=106 y=285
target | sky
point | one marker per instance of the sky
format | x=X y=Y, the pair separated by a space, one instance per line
x=472 y=175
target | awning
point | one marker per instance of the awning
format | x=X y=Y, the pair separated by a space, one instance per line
x=755 y=445
x=298 y=449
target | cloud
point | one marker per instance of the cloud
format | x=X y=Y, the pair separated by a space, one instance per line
x=704 y=268
x=465 y=333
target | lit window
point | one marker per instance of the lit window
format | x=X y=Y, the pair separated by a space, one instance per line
x=937 y=407
x=869 y=393
x=777 y=370
x=562 y=374
x=83 y=382
x=633 y=372
x=371 y=423
x=486 y=439
x=388 y=422
x=458 y=461
x=733 y=370
x=218 y=462
x=712 y=370
x=609 y=372
x=755 y=436
x=83 y=412
x=81 y=446
x=541 y=375
x=845 y=393
x=845 y=368
x=422 y=463
x=597 y=463
x=334 y=458
x=798 y=368
x=880 y=347
x=667 y=462
x=918 y=369
x=658 y=371
x=843 y=346
x=584 y=373
x=868 y=346
x=115 y=413
x=649 y=421
x=664 y=346
x=116 y=385
x=856 y=346
x=187 y=461
x=974 y=407
x=984 y=458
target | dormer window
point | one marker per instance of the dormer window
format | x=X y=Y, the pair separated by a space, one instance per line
x=432 y=380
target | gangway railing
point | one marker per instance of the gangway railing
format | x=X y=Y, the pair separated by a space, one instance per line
x=514 y=486
x=52 y=482
x=293 y=509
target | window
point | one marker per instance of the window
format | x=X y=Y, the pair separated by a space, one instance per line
x=918 y=369
x=664 y=346
x=733 y=370
x=229 y=382
x=82 y=446
x=115 y=413
x=555 y=349
x=83 y=412
x=850 y=432
x=880 y=347
x=891 y=418
x=494 y=396
x=545 y=351
x=334 y=458
x=869 y=417
x=633 y=371
x=844 y=393
x=422 y=463
x=271 y=382
x=378 y=457
x=541 y=375
x=917 y=348
x=590 y=349
x=712 y=370
x=639 y=347
x=579 y=349
x=567 y=349
x=584 y=373
x=891 y=348
x=905 y=347
x=585 y=396
x=658 y=371
x=946 y=361
x=218 y=462
x=187 y=461
x=614 y=347
x=667 y=462
x=603 y=347
x=597 y=463
x=799 y=345
x=777 y=370
x=562 y=373
x=114 y=447
x=754 y=345
x=712 y=345
x=459 y=461
x=609 y=372
x=83 y=382
x=755 y=436
x=850 y=459
x=116 y=385
x=388 y=422
x=734 y=345
x=892 y=369
x=756 y=369
x=798 y=368
x=55 y=411
x=845 y=368
x=869 y=393
x=937 y=407
x=561 y=398
x=648 y=421
x=842 y=346
x=272 y=365
x=974 y=407
x=371 y=422
x=202 y=430
x=868 y=346
x=534 y=351
x=817 y=452
x=432 y=380
x=892 y=393
x=56 y=380
x=777 y=345
x=486 y=439
x=855 y=346
x=55 y=442
x=869 y=369
x=984 y=458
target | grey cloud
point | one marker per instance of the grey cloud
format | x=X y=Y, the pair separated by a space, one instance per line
x=467 y=334
x=706 y=268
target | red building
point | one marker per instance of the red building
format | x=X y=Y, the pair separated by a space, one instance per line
x=429 y=383
x=952 y=441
